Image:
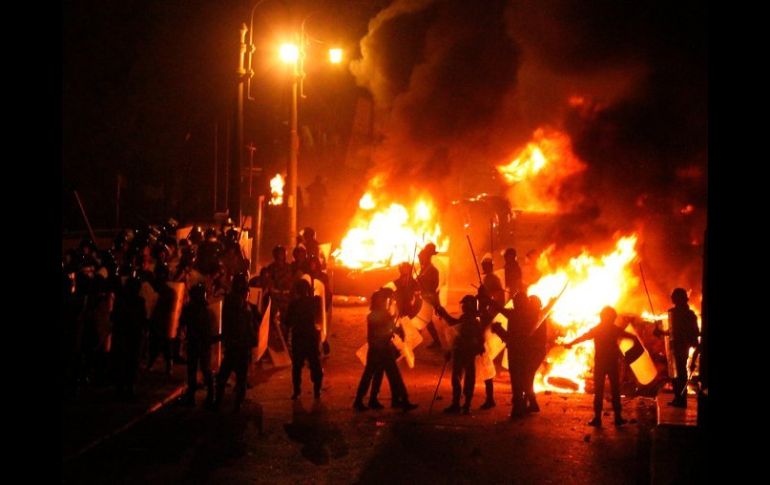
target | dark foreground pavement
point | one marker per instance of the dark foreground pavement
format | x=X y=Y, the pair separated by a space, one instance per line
x=275 y=440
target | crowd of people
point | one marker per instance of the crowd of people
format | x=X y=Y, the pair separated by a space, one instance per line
x=151 y=294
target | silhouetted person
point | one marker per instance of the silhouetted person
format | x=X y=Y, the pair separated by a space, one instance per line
x=493 y=288
x=238 y=338
x=428 y=280
x=513 y=278
x=536 y=343
x=299 y=265
x=160 y=343
x=406 y=292
x=519 y=324
x=684 y=334
x=278 y=283
x=316 y=273
x=305 y=337
x=311 y=245
x=467 y=345
x=405 y=296
x=195 y=321
x=128 y=319
x=381 y=355
x=209 y=251
x=606 y=355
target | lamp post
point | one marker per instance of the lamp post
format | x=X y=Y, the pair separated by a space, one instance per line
x=295 y=55
x=234 y=181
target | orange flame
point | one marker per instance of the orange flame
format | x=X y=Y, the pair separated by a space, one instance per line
x=276 y=190
x=594 y=282
x=383 y=235
x=536 y=173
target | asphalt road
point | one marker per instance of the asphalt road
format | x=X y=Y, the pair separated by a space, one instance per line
x=275 y=440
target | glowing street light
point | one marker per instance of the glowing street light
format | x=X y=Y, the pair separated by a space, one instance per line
x=289 y=53
x=292 y=54
x=335 y=55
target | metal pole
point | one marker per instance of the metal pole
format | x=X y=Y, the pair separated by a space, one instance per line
x=227 y=164
x=235 y=201
x=117 y=205
x=252 y=148
x=85 y=217
x=292 y=170
x=437 y=386
x=257 y=243
x=216 y=161
x=473 y=253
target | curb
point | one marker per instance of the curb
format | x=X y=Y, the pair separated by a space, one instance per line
x=155 y=407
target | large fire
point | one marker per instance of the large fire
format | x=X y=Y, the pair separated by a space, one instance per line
x=276 y=190
x=592 y=283
x=538 y=170
x=384 y=234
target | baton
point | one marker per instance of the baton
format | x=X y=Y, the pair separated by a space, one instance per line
x=437 y=386
x=481 y=283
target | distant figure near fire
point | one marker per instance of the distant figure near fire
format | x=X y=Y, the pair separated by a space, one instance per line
x=428 y=279
x=606 y=356
x=305 y=337
x=380 y=328
x=467 y=345
x=520 y=323
x=405 y=295
x=493 y=288
x=684 y=334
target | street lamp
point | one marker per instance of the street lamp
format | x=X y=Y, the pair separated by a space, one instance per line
x=294 y=55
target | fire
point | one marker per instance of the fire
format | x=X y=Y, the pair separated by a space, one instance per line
x=385 y=234
x=367 y=202
x=276 y=190
x=529 y=163
x=688 y=209
x=536 y=173
x=594 y=282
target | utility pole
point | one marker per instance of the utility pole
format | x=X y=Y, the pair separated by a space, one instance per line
x=235 y=170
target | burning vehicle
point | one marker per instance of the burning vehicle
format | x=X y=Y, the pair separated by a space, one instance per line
x=542 y=215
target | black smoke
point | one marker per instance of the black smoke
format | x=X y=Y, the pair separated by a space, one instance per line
x=460 y=86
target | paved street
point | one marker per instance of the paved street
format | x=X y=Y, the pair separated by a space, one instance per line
x=275 y=440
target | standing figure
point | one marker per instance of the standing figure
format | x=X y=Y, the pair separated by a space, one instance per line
x=277 y=284
x=467 y=345
x=493 y=289
x=195 y=321
x=159 y=341
x=684 y=334
x=515 y=338
x=129 y=319
x=513 y=277
x=428 y=280
x=316 y=273
x=305 y=337
x=606 y=355
x=406 y=292
x=311 y=244
x=536 y=343
x=381 y=356
x=238 y=337
x=405 y=296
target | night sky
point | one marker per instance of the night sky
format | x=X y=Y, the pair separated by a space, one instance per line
x=146 y=84
x=460 y=85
